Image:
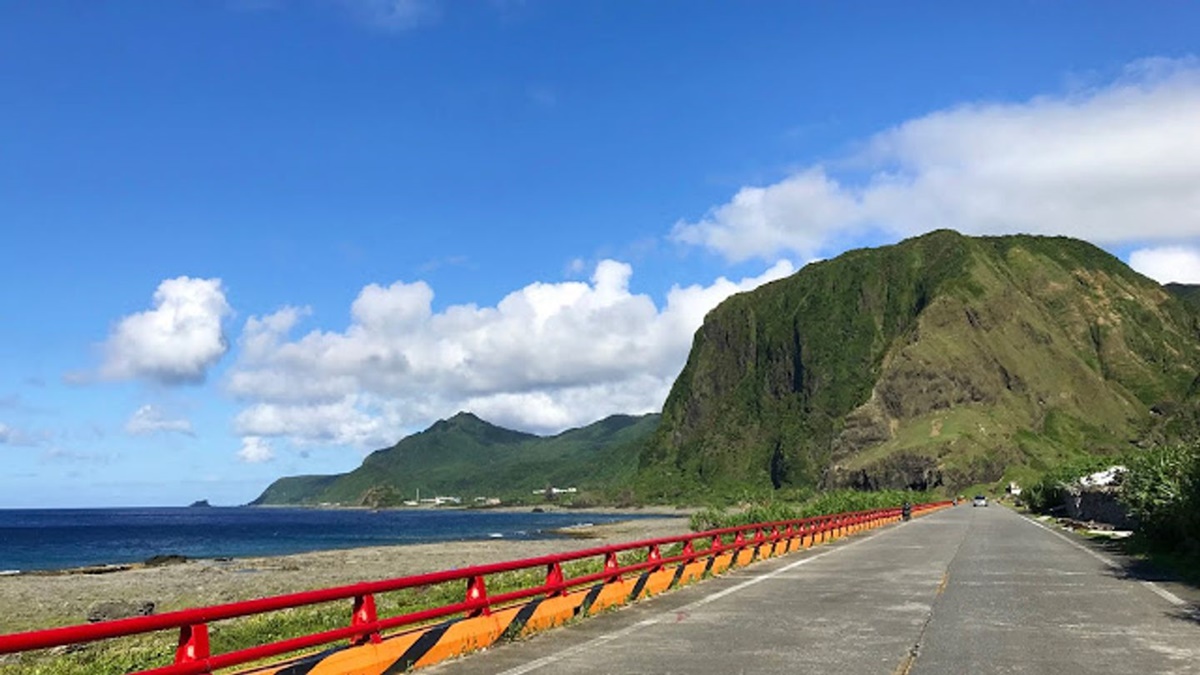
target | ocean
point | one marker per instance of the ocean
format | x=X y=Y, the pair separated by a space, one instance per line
x=46 y=539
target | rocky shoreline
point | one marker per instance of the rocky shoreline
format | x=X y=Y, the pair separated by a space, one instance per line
x=64 y=597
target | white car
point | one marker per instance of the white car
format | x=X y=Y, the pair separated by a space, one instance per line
x=980 y=500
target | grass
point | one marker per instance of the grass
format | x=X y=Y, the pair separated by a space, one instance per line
x=837 y=501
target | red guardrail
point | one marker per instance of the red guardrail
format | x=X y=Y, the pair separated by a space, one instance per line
x=192 y=657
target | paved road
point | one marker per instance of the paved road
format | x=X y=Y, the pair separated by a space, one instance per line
x=964 y=590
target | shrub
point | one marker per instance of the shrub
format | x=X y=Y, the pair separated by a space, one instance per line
x=1162 y=491
x=1049 y=492
x=837 y=501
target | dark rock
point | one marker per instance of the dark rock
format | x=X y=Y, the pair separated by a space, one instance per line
x=169 y=559
x=898 y=472
x=1098 y=504
x=107 y=611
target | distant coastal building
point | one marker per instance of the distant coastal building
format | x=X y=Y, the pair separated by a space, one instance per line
x=557 y=491
x=431 y=501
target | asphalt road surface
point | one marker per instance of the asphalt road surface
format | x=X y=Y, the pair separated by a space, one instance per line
x=964 y=590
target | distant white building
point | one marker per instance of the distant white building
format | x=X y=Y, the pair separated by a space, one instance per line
x=557 y=491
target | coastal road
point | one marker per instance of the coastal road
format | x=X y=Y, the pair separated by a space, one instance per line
x=963 y=590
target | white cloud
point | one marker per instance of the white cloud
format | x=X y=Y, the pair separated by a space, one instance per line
x=354 y=420
x=546 y=357
x=393 y=15
x=16 y=437
x=60 y=454
x=174 y=343
x=1113 y=164
x=149 y=419
x=1168 y=264
x=255 y=450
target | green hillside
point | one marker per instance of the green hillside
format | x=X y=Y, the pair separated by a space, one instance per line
x=1188 y=293
x=943 y=360
x=467 y=457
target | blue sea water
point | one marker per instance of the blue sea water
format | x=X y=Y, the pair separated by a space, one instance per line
x=40 y=539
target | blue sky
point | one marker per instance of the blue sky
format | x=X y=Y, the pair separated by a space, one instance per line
x=253 y=238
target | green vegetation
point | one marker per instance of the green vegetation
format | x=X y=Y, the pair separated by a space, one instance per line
x=1162 y=491
x=1050 y=490
x=941 y=362
x=1188 y=293
x=837 y=501
x=467 y=457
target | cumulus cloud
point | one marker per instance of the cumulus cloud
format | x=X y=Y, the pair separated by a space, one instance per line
x=546 y=357
x=255 y=450
x=177 y=341
x=1179 y=264
x=150 y=419
x=354 y=420
x=1115 y=163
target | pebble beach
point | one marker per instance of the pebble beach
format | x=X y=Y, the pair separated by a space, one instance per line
x=33 y=601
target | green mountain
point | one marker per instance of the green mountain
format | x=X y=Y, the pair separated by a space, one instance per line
x=1189 y=293
x=467 y=457
x=942 y=360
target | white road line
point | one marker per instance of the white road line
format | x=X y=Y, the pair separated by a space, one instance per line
x=1153 y=587
x=671 y=616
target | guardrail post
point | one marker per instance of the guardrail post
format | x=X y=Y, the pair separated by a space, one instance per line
x=193 y=644
x=689 y=550
x=554 y=581
x=611 y=564
x=654 y=555
x=477 y=592
x=364 y=614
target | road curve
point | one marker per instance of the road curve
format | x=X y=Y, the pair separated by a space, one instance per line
x=964 y=590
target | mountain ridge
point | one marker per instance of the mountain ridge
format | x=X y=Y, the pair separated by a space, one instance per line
x=468 y=457
x=944 y=360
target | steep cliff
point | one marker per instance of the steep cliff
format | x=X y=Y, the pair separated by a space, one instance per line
x=944 y=359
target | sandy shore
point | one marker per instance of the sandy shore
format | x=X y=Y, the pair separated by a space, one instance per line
x=35 y=601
